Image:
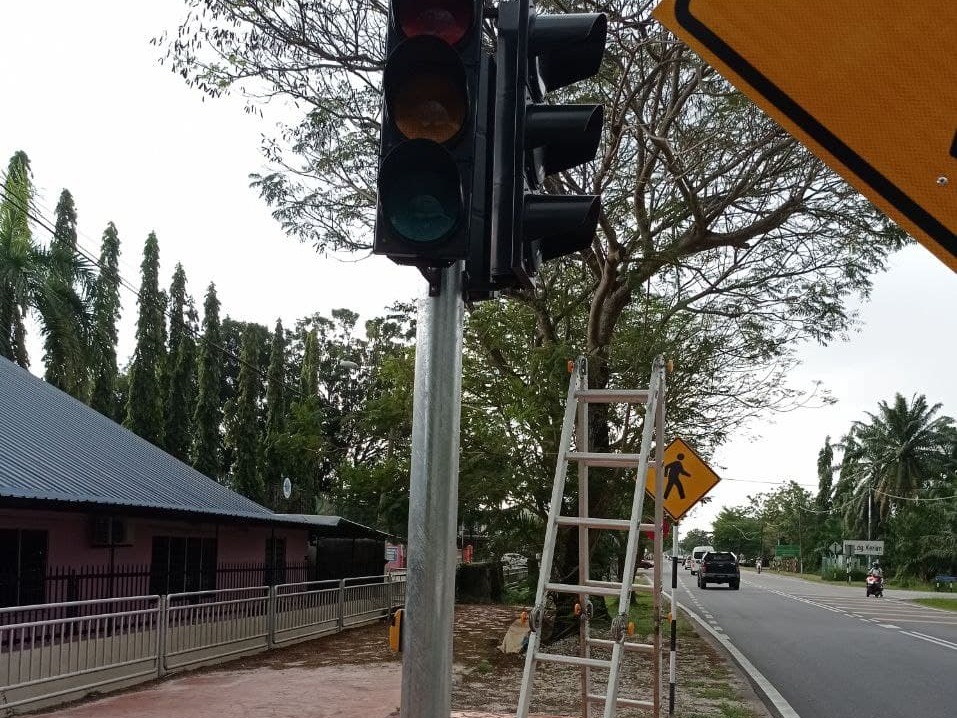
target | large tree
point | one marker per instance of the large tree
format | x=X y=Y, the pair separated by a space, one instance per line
x=245 y=433
x=144 y=407
x=180 y=377
x=65 y=346
x=891 y=457
x=721 y=240
x=273 y=464
x=52 y=283
x=208 y=416
x=103 y=336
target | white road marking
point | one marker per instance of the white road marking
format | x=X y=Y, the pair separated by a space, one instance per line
x=931 y=639
x=888 y=625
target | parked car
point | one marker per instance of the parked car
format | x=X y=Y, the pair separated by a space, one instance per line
x=696 y=554
x=719 y=567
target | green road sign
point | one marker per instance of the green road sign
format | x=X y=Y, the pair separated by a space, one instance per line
x=787 y=549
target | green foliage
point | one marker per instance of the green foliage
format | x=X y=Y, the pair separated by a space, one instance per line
x=182 y=369
x=70 y=283
x=245 y=432
x=695 y=537
x=738 y=530
x=144 y=408
x=106 y=313
x=20 y=260
x=207 y=441
x=273 y=462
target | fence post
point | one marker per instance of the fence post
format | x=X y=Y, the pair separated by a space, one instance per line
x=162 y=611
x=271 y=618
x=342 y=604
x=389 y=595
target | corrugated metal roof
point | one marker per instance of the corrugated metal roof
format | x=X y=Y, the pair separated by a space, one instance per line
x=320 y=522
x=55 y=448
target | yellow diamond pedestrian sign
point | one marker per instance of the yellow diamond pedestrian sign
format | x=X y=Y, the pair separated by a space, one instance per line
x=687 y=479
x=869 y=87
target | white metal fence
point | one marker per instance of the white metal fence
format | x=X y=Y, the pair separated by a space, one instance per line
x=81 y=646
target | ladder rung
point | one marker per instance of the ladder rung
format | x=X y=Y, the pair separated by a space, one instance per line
x=592 y=458
x=619 y=524
x=590 y=590
x=629 y=702
x=573 y=660
x=614 y=587
x=605 y=643
x=609 y=396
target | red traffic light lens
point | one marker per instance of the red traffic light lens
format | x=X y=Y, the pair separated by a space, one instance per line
x=449 y=20
x=419 y=191
x=425 y=90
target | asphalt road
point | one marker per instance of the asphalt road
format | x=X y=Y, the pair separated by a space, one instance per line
x=830 y=651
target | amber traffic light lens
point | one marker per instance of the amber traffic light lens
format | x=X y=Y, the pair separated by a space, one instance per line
x=448 y=20
x=425 y=89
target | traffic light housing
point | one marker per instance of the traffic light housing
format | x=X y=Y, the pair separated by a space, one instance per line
x=537 y=54
x=429 y=182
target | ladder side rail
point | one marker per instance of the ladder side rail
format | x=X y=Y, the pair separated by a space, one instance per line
x=631 y=552
x=584 y=571
x=548 y=550
x=659 y=529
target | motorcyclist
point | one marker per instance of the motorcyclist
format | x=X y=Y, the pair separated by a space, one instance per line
x=876 y=571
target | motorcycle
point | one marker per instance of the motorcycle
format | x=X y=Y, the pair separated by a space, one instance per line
x=875 y=586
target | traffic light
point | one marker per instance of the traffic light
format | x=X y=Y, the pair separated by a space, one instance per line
x=428 y=175
x=537 y=54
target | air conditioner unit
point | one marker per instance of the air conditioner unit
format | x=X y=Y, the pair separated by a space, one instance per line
x=109 y=531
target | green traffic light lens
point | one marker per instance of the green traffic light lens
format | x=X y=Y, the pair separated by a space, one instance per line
x=419 y=192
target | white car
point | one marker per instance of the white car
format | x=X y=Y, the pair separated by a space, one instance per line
x=696 y=555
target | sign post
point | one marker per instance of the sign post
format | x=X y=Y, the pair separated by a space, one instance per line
x=870 y=88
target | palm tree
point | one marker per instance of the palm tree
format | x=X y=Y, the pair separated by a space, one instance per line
x=52 y=282
x=903 y=449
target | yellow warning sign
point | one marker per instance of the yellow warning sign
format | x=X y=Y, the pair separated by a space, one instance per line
x=870 y=88
x=687 y=479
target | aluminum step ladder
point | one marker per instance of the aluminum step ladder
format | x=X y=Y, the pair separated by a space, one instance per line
x=579 y=397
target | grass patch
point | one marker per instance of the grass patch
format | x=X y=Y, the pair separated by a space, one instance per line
x=732 y=711
x=948 y=604
x=716 y=692
x=640 y=612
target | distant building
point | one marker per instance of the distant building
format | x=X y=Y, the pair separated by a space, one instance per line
x=90 y=510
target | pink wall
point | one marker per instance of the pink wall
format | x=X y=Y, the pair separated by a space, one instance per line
x=69 y=543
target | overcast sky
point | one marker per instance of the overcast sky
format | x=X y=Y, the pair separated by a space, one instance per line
x=84 y=95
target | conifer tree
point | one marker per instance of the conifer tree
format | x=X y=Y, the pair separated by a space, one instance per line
x=65 y=347
x=106 y=313
x=144 y=408
x=309 y=379
x=182 y=386
x=208 y=415
x=247 y=479
x=275 y=415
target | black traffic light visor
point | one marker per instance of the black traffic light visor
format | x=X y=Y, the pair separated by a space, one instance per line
x=568 y=134
x=449 y=20
x=419 y=192
x=569 y=48
x=426 y=91
x=564 y=223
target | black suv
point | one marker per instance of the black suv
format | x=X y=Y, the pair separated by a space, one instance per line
x=719 y=567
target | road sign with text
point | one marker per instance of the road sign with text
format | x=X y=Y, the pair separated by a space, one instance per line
x=870 y=88
x=863 y=548
x=687 y=479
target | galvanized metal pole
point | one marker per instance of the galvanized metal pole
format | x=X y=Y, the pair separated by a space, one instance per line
x=433 y=502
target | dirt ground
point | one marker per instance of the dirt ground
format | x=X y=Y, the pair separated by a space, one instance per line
x=353 y=674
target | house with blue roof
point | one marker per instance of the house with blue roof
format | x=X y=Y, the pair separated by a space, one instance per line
x=83 y=500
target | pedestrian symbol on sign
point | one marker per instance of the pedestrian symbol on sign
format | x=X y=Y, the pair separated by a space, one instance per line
x=674 y=471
